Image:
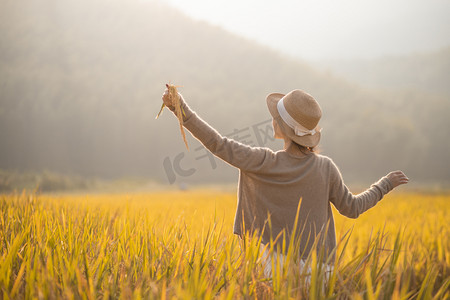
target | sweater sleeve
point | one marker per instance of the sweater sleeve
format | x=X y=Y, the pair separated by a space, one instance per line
x=241 y=156
x=351 y=205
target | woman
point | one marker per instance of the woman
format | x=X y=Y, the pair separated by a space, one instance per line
x=272 y=184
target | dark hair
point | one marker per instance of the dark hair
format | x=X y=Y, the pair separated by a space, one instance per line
x=306 y=149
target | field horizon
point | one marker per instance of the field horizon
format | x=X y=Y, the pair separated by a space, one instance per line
x=47 y=182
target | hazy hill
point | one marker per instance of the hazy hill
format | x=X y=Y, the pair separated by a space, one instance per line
x=427 y=72
x=81 y=83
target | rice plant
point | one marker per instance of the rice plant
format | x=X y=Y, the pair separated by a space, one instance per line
x=180 y=245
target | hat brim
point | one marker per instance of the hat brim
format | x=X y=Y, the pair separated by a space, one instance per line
x=306 y=140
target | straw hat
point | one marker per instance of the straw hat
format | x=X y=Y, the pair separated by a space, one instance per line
x=298 y=114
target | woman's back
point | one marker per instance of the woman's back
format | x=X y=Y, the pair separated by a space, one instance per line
x=276 y=190
x=282 y=182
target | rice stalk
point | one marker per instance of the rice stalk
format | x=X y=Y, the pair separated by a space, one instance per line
x=175 y=99
x=155 y=245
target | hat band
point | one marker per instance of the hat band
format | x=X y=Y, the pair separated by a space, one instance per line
x=288 y=119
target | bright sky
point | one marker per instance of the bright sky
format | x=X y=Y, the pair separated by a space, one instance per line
x=328 y=29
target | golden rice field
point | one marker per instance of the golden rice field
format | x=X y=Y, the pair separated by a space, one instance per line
x=180 y=245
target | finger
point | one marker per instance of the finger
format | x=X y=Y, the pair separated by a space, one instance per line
x=399 y=175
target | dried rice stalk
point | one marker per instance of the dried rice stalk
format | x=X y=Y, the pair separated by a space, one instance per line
x=179 y=111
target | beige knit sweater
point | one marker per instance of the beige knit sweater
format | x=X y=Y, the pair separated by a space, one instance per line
x=273 y=183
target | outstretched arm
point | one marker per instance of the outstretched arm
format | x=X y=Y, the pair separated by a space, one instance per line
x=353 y=205
x=236 y=154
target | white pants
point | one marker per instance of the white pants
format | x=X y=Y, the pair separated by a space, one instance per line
x=280 y=259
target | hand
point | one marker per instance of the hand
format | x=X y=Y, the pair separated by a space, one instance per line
x=397 y=178
x=167 y=101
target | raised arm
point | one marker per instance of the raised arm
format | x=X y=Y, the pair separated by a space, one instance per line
x=236 y=154
x=351 y=205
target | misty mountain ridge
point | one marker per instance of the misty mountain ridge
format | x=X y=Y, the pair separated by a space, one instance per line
x=82 y=82
x=426 y=72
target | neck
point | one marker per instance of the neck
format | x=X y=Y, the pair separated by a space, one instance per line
x=292 y=148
